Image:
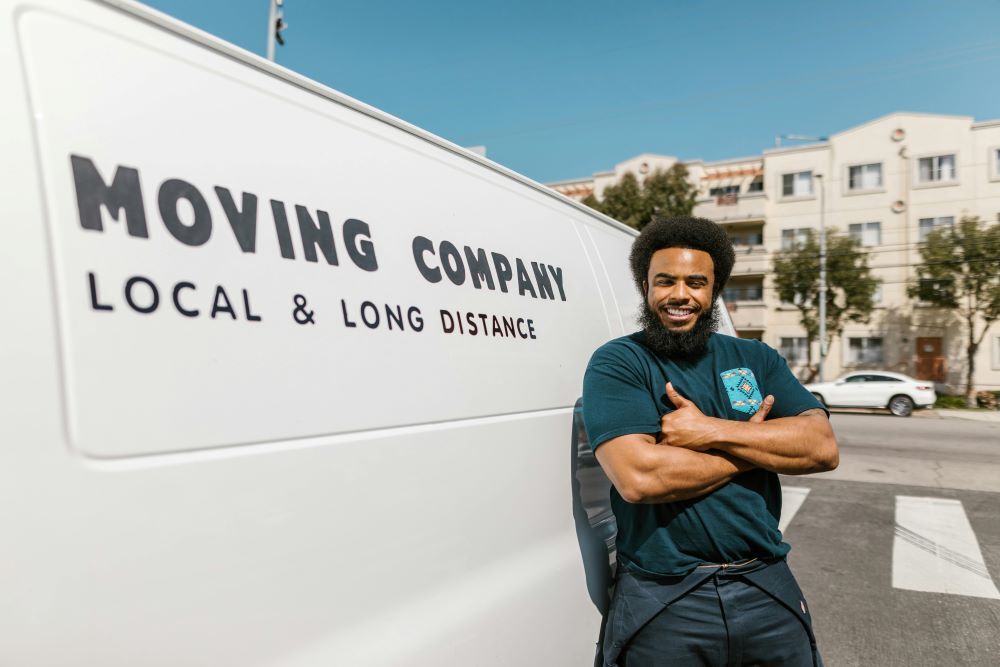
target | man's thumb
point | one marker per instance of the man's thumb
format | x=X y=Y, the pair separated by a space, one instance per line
x=675 y=398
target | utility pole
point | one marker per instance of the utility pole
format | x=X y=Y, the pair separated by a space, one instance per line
x=822 y=277
x=275 y=24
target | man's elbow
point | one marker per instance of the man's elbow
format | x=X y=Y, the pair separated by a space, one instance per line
x=828 y=454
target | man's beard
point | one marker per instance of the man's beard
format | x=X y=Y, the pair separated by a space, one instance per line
x=670 y=344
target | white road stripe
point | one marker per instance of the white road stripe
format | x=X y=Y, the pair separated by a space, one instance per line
x=935 y=550
x=792 y=498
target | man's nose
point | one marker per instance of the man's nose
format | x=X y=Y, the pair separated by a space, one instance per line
x=679 y=293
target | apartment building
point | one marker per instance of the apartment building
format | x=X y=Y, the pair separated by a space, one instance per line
x=888 y=183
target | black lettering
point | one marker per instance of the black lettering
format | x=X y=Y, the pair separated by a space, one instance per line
x=531 y=329
x=450 y=326
x=200 y=229
x=520 y=331
x=221 y=303
x=394 y=316
x=497 y=331
x=315 y=235
x=154 y=293
x=246 y=309
x=458 y=317
x=124 y=193
x=362 y=253
x=504 y=273
x=281 y=228
x=94 y=302
x=371 y=323
x=422 y=245
x=347 y=320
x=557 y=274
x=243 y=222
x=471 y=320
x=524 y=280
x=177 y=299
x=479 y=268
x=508 y=327
x=449 y=256
x=483 y=316
x=415 y=318
x=542 y=278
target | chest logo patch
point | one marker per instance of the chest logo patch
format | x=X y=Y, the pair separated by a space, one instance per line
x=741 y=387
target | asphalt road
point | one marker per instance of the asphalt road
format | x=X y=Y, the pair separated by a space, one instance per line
x=844 y=535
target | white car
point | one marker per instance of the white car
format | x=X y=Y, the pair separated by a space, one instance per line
x=876 y=389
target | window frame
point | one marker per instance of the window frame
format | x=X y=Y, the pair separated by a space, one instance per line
x=847 y=349
x=935 y=183
x=797 y=197
x=921 y=236
x=864 y=225
x=848 y=190
x=795 y=243
x=993 y=160
x=802 y=349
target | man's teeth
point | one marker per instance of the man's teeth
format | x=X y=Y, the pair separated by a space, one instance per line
x=679 y=311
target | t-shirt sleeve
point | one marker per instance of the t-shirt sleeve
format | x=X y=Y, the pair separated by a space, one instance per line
x=790 y=397
x=616 y=400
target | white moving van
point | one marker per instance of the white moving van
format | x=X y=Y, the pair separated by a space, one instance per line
x=296 y=402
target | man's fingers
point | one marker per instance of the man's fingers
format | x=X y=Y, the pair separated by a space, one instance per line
x=764 y=409
x=675 y=398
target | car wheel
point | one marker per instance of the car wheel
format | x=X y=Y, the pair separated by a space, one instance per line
x=901 y=406
x=819 y=398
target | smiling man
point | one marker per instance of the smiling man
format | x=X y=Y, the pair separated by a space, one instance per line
x=676 y=416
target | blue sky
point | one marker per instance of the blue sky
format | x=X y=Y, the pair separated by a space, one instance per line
x=559 y=89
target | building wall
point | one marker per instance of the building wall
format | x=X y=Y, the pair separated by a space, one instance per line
x=897 y=202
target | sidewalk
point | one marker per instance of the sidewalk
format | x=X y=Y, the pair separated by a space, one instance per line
x=973 y=415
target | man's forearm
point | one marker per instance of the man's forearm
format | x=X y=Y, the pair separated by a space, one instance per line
x=681 y=474
x=790 y=445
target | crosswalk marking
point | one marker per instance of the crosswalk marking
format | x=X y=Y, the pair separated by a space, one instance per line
x=792 y=498
x=935 y=550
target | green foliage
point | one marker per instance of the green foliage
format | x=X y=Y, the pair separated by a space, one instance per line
x=950 y=402
x=960 y=271
x=663 y=193
x=850 y=285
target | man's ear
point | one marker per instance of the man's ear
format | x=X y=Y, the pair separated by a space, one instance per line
x=645 y=287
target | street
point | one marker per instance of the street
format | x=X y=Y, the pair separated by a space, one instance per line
x=898 y=550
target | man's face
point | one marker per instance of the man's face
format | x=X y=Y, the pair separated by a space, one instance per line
x=679 y=287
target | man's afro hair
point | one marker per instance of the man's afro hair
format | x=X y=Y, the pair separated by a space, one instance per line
x=683 y=232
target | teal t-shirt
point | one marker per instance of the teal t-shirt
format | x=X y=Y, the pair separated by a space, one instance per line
x=624 y=392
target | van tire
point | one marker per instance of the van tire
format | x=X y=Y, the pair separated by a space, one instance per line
x=900 y=405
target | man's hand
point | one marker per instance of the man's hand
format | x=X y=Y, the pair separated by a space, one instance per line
x=688 y=427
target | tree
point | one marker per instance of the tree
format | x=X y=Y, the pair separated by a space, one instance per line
x=669 y=193
x=663 y=193
x=850 y=286
x=960 y=270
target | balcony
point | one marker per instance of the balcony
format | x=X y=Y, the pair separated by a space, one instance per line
x=751 y=260
x=730 y=208
x=748 y=315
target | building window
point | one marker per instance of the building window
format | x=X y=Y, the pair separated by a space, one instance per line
x=864 y=177
x=936 y=169
x=724 y=190
x=794 y=238
x=794 y=350
x=736 y=293
x=928 y=225
x=996 y=353
x=877 y=294
x=866 y=233
x=799 y=184
x=757 y=184
x=996 y=161
x=749 y=238
x=864 y=350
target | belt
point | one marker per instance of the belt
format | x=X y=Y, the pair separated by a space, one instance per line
x=725 y=566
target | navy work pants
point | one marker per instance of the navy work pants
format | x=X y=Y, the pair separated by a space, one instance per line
x=753 y=615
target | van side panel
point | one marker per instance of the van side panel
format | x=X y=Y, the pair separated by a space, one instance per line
x=274 y=479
